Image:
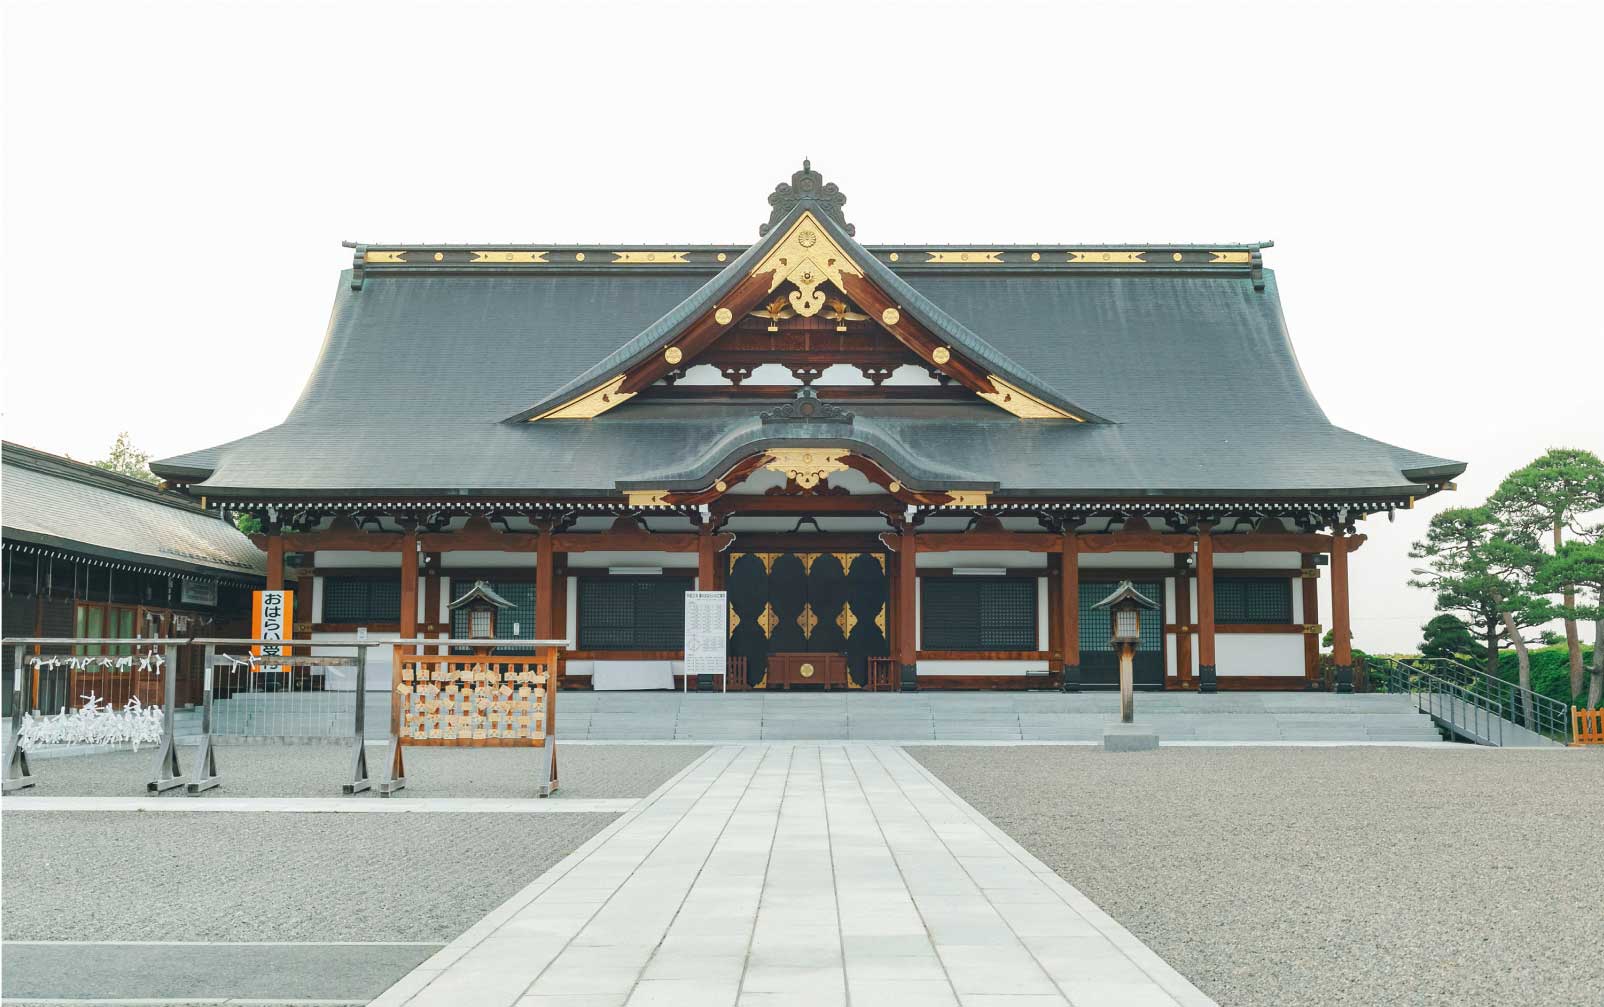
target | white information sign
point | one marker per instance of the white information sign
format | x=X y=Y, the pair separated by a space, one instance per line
x=706 y=635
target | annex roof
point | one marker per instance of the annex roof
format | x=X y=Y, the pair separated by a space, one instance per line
x=62 y=504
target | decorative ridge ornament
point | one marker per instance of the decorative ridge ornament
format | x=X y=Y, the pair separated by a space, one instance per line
x=807 y=466
x=807 y=184
x=807 y=408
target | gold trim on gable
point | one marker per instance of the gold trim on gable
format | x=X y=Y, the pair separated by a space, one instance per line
x=1240 y=257
x=591 y=404
x=648 y=498
x=806 y=256
x=1101 y=256
x=806 y=465
x=1022 y=404
x=376 y=257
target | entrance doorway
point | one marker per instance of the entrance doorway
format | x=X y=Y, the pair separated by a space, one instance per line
x=1099 y=662
x=808 y=602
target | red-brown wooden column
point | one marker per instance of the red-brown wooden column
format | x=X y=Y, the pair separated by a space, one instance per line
x=1183 y=628
x=545 y=587
x=275 y=561
x=907 y=617
x=705 y=560
x=1311 y=619
x=1206 y=678
x=1341 y=633
x=1069 y=610
x=409 y=588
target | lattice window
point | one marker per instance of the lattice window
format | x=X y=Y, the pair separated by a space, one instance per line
x=1095 y=627
x=977 y=613
x=362 y=600
x=1254 y=600
x=632 y=613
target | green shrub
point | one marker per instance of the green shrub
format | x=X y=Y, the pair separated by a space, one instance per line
x=1551 y=672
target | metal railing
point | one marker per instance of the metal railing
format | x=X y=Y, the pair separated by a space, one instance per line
x=1485 y=708
x=169 y=772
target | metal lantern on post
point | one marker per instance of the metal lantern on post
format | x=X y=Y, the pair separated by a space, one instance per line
x=1125 y=607
x=482 y=605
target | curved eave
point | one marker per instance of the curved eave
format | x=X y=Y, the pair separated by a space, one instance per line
x=753 y=438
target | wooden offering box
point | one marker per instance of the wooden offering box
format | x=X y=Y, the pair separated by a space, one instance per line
x=788 y=669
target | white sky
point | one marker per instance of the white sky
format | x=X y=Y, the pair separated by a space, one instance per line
x=178 y=178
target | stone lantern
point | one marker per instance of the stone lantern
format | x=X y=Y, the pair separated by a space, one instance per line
x=1125 y=607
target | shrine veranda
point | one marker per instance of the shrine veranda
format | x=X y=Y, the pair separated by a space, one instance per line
x=909 y=466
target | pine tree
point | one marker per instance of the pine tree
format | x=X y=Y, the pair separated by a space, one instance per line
x=1551 y=495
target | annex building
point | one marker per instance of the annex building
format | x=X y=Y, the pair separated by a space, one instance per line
x=910 y=466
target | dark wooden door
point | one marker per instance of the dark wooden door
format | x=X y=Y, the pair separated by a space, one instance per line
x=808 y=602
x=1099 y=663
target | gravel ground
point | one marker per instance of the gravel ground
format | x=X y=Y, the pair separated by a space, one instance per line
x=270 y=877
x=280 y=770
x=1332 y=877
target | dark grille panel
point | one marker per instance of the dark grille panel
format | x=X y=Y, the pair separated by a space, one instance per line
x=1094 y=622
x=1256 y=600
x=632 y=613
x=522 y=595
x=362 y=599
x=974 y=613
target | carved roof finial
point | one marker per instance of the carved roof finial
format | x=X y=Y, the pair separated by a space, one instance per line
x=807 y=407
x=809 y=185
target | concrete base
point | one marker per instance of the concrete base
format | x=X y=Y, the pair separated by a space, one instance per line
x=1129 y=738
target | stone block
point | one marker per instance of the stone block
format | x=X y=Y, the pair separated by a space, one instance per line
x=1129 y=738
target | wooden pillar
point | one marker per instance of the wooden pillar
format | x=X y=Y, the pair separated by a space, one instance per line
x=1069 y=609
x=1055 y=624
x=431 y=595
x=1206 y=676
x=1183 y=627
x=275 y=561
x=545 y=586
x=705 y=560
x=1310 y=575
x=409 y=588
x=907 y=602
x=1341 y=632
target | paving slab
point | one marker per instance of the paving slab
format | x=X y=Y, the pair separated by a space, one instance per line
x=797 y=874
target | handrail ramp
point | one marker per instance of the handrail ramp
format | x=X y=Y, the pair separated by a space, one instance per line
x=1474 y=706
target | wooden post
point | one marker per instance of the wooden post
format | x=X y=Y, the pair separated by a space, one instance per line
x=275 y=561
x=1206 y=677
x=409 y=588
x=907 y=602
x=1341 y=633
x=545 y=588
x=1069 y=610
x=1183 y=627
x=705 y=557
x=1311 y=618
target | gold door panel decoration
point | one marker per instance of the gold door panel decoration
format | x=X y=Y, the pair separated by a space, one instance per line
x=880 y=620
x=806 y=671
x=846 y=620
x=768 y=620
x=882 y=558
x=807 y=620
x=807 y=559
x=735 y=620
x=768 y=558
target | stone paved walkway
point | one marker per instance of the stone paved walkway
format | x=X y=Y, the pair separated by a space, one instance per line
x=776 y=875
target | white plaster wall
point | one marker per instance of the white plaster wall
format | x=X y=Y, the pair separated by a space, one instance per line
x=1297 y=600
x=602 y=560
x=980 y=667
x=572 y=629
x=1133 y=560
x=1042 y=615
x=1259 y=654
x=1256 y=560
x=346 y=559
x=344 y=679
x=486 y=558
x=1010 y=559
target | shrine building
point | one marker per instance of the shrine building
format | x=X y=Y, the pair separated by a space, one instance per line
x=910 y=466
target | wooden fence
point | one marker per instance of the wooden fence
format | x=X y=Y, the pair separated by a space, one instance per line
x=1587 y=726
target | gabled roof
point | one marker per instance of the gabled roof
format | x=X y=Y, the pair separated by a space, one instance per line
x=481 y=591
x=1126 y=591
x=781 y=254
x=1181 y=350
x=62 y=504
